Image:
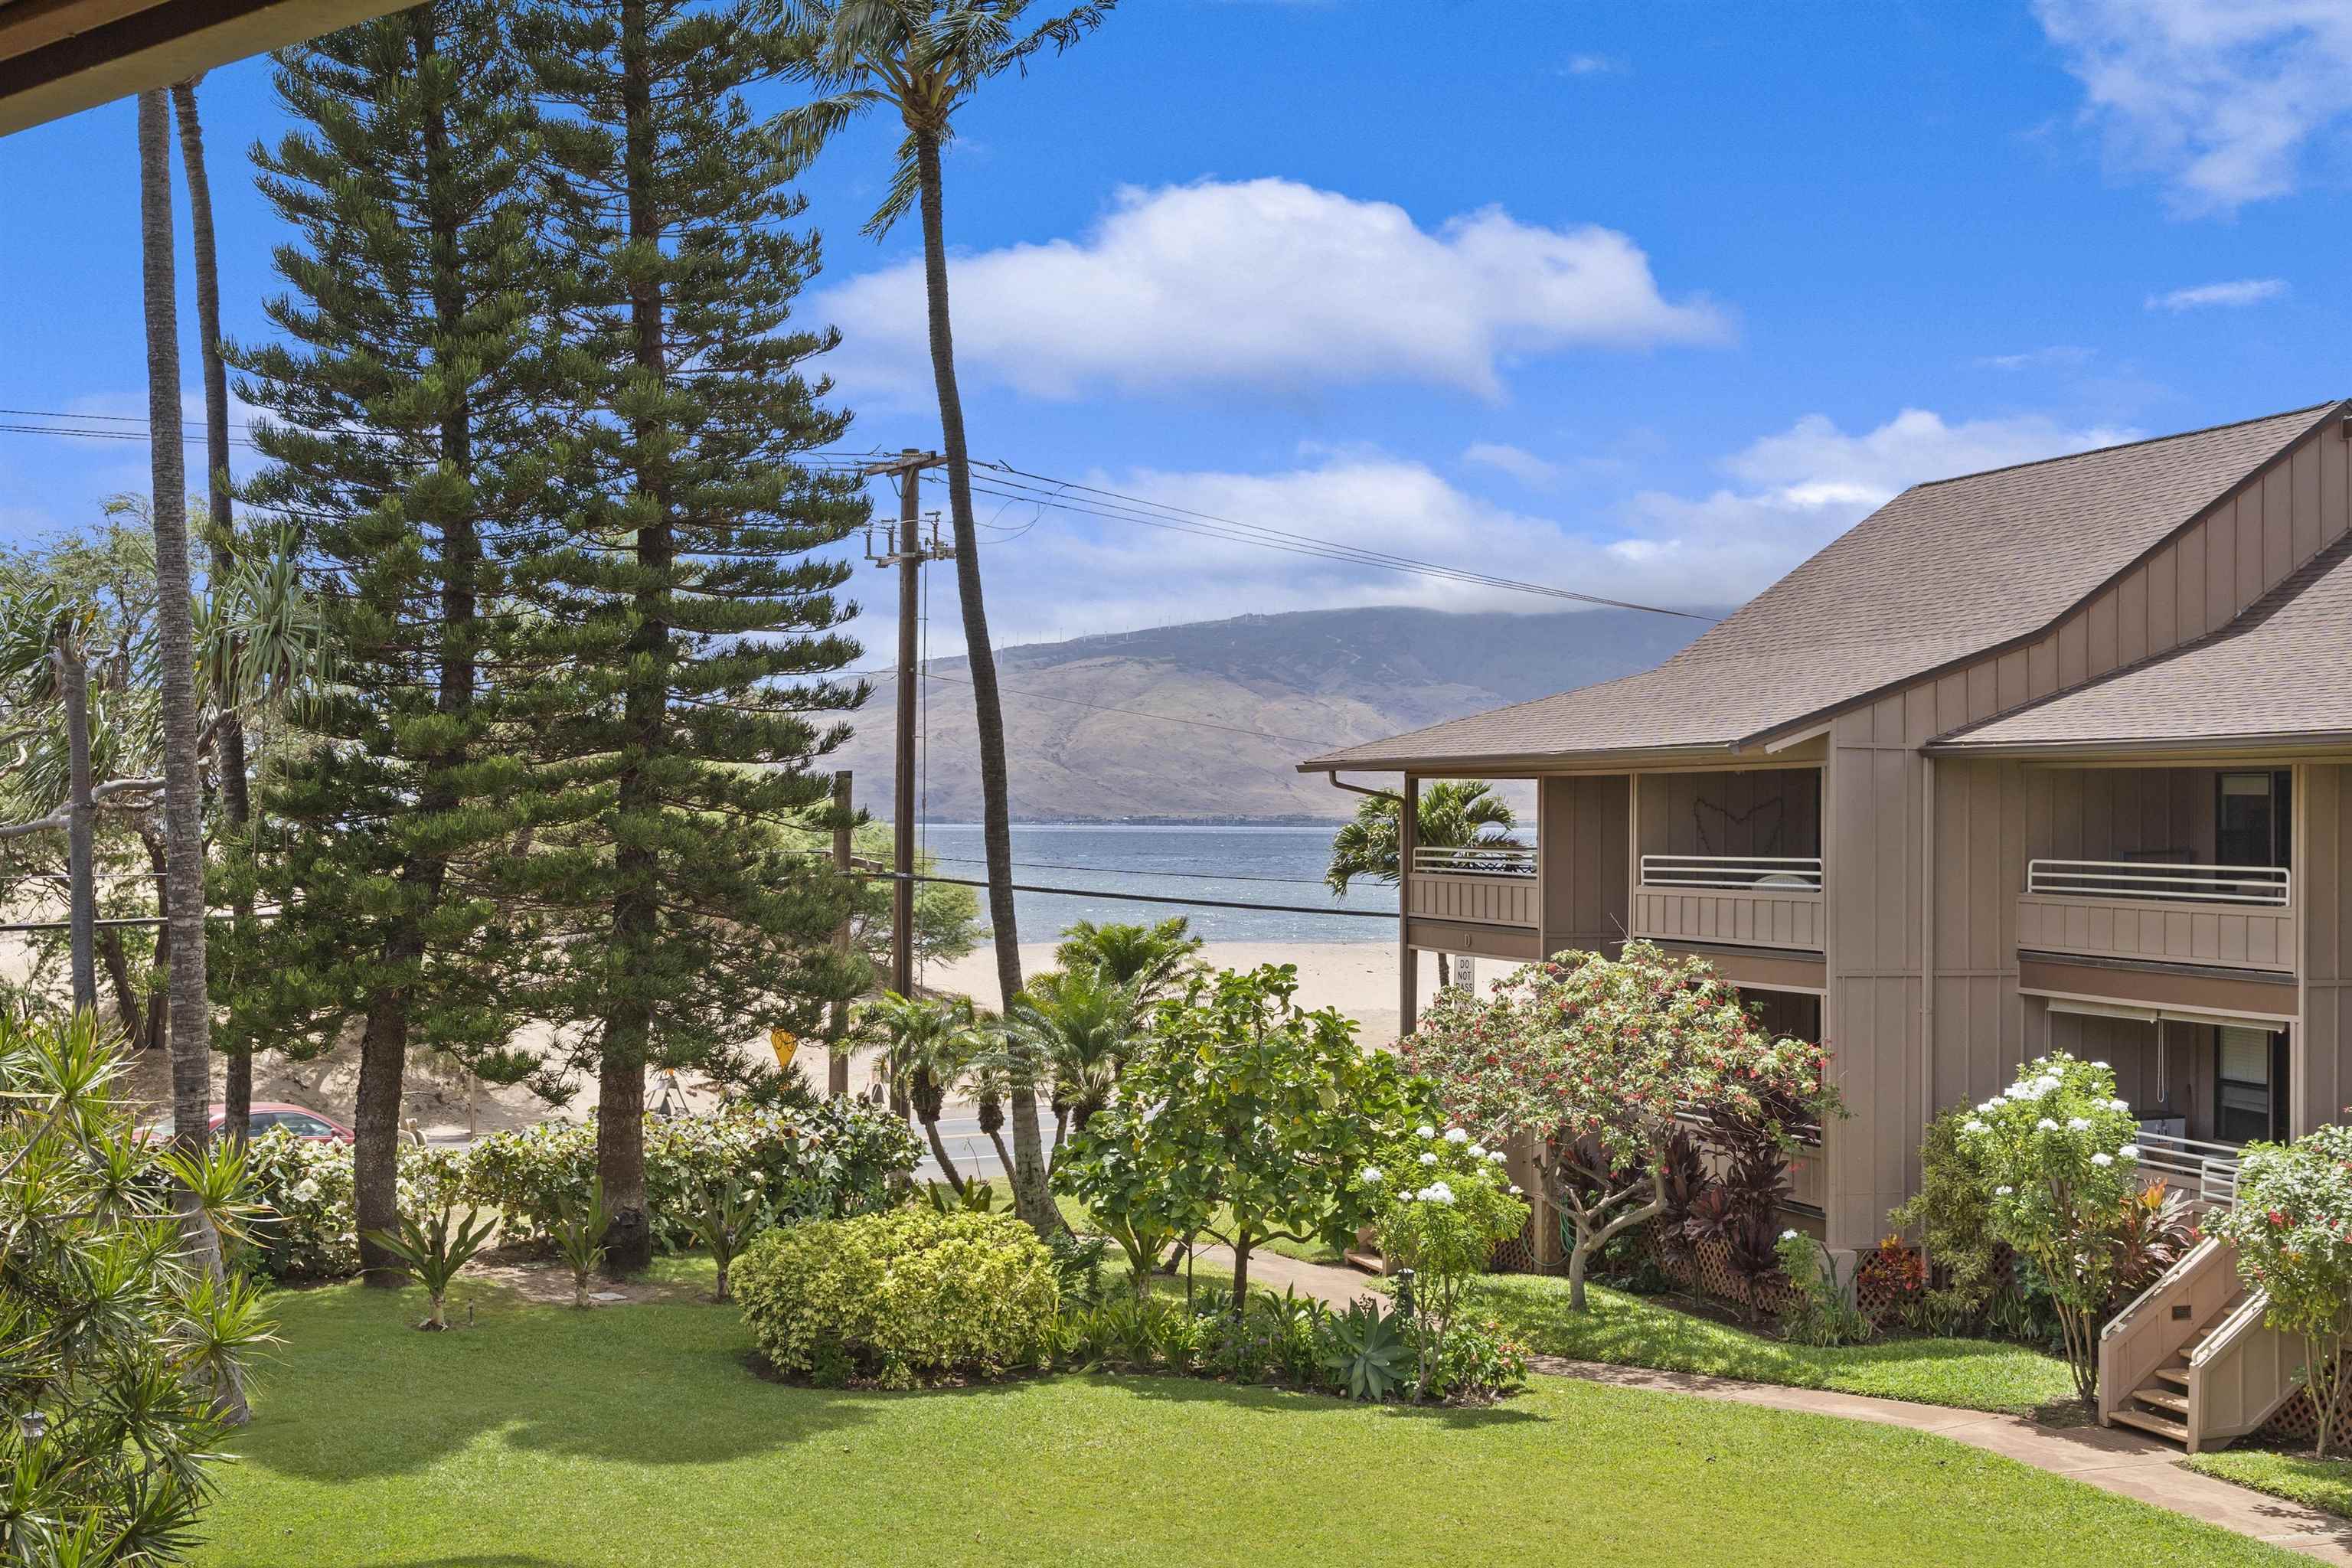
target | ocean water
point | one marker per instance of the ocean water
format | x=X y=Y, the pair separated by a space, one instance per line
x=1280 y=866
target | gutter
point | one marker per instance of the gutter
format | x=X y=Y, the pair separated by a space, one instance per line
x=1331 y=776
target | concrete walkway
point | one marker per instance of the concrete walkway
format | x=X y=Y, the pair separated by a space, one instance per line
x=2126 y=1463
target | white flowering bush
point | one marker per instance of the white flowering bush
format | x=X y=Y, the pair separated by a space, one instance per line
x=2292 y=1230
x=1443 y=1223
x=819 y=1162
x=2054 y=1155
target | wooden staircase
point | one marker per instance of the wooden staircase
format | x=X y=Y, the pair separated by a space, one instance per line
x=2160 y=1404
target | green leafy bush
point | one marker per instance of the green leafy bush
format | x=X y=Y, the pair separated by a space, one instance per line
x=900 y=1296
x=821 y=1162
x=1444 y=1230
x=2292 y=1230
x=303 y=1227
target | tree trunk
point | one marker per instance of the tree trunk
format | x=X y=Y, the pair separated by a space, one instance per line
x=1444 y=971
x=81 y=875
x=1030 y=1198
x=939 y=1152
x=237 y=1121
x=184 y=886
x=375 y=1123
x=126 y=990
x=1575 y=1261
x=628 y=1027
x=1241 y=1251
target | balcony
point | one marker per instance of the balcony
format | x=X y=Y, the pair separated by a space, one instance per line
x=1747 y=900
x=2234 y=916
x=1484 y=884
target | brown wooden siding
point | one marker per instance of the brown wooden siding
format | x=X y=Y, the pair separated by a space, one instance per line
x=1766 y=811
x=1482 y=901
x=1775 y=919
x=2156 y=932
x=2320 y=1082
x=1585 y=876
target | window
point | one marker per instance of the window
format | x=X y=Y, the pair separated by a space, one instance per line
x=2252 y=819
x=305 y=1126
x=2250 y=1099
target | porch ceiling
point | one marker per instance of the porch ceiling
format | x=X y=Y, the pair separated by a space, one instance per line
x=60 y=56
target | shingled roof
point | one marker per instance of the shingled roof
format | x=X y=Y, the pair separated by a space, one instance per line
x=2274 y=673
x=1943 y=571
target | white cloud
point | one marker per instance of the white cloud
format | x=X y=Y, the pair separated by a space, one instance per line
x=1593 y=65
x=2219 y=97
x=2243 y=291
x=1519 y=463
x=2056 y=356
x=1791 y=493
x=1271 y=283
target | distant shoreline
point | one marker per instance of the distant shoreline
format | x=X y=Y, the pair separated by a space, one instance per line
x=1329 y=822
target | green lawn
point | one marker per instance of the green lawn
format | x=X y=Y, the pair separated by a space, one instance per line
x=2317 y=1483
x=627 y=1436
x=1631 y=1330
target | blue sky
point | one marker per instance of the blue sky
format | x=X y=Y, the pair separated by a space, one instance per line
x=1640 y=300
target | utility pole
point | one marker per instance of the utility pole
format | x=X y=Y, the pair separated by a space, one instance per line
x=908 y=554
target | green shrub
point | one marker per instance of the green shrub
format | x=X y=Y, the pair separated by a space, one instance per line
x=2292 y=1230
x=823 y=1161
x=304 y=1227
x=1818 y=1308
x=900 y=1296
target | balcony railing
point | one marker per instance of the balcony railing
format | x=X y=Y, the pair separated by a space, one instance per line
x=1476 y=860
x=1742 y=873
x=2268 y=886
x=2205 y=1170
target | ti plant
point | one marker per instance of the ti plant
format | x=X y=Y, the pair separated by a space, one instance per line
x=580 y=1240
x=724 y=1221
x=431 y=1252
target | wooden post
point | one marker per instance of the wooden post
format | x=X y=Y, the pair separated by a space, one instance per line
x=837 y=1022
x=902 y=791
x=1408 y=960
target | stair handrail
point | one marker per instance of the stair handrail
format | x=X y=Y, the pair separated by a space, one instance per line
x=2250 y=1310
x=2237 y=1335
x=2127 y=1356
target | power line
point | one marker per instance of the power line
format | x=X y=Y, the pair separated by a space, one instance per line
x=1139 y=871
x=1106 y=708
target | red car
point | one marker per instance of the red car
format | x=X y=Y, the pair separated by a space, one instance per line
x=269 y=1115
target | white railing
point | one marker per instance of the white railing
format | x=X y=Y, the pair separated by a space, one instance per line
x=2194 y=1164
x=2271 y=886
x=1476 y=860
x=1787 y=873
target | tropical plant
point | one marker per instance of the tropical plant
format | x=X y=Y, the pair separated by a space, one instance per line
x=2292 y=1226
x=724 y=1221
x=2155 y=1231
x=1584 y=1052
x=899 y=1297
x=930 y=1044
x=1368 y=1356
x=580 y=1232
x=1153 y=961
x=925 y=60
x=1952 y=1215
x=433 y=1250
x=1075 y=1027
x=1448 y=814
x=1740 y=1214
x=2054 y=1151
x=120 y=1371
x=1242 y=1116
x=1818 y=1308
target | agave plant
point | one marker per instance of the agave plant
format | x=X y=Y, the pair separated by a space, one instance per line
x=724 y=1221
x=1365 y=1351
x=432 y=1251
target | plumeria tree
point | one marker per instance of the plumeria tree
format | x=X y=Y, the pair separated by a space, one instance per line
x=1445 y=1202
x=1592 y=1058
x=1239 y=1100
x=2054 y=1152
x=2292 y=1230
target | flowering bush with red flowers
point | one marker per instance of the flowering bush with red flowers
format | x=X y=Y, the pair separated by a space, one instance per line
x=1592 y=1056
x=2292 y=1230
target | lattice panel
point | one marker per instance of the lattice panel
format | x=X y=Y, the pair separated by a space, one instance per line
x=1518 y=1255
x=2296 y=1424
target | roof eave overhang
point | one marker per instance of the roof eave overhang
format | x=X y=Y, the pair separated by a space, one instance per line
x=60 y=56
x=1528 y=762
x=2202 y=748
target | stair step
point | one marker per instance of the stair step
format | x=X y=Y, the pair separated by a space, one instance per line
x=2149 y=1421
x=1369 y=1262
x=2176 y=1375
x=2162 y=1398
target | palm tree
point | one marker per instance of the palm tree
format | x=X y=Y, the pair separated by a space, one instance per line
x=203 y=254
x=1076 y=1025
x=44 y=663
x=1150 y=960
x=925 y=58
x=1452 y=813
x=932 y=1042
